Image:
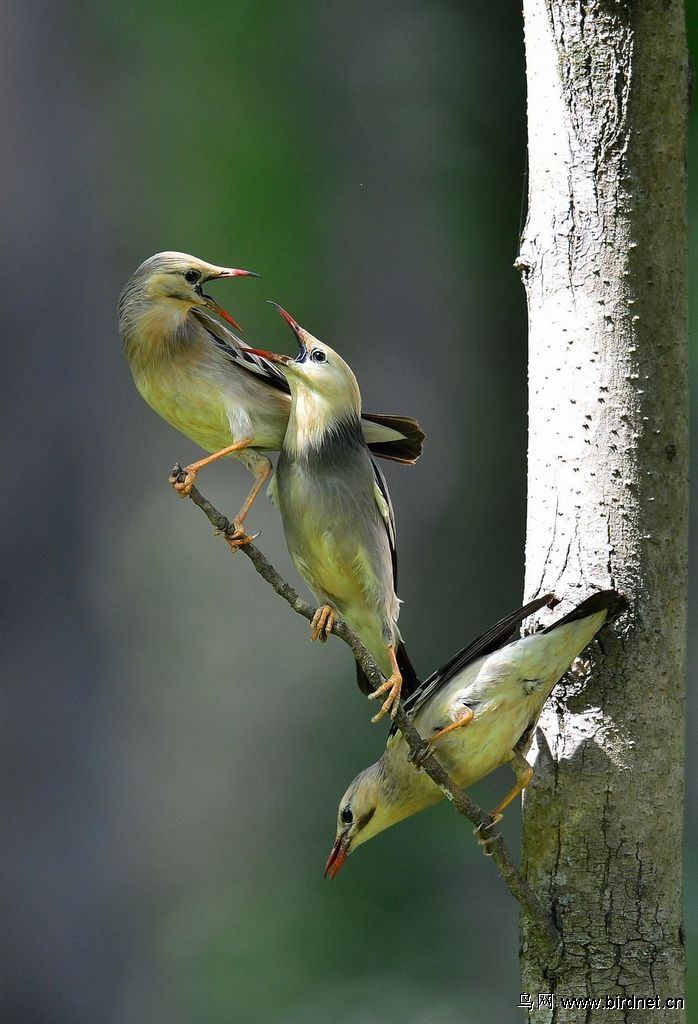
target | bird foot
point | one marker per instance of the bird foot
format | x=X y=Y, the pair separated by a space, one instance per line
x=392 y=701
x=418 y=757
x=237 y=538
x=183 y=480
x=322 y=623
x=486 y=841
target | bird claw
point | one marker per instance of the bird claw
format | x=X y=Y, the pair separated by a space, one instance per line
x=322 y=623
x=182 y=480
x=236 y=538
x=418 y=757
x=392 y=701
x=486 y=842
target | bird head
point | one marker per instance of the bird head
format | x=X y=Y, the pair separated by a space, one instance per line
x=322 y=385
x=364 y=811
x=317 y=369
x=169 y=284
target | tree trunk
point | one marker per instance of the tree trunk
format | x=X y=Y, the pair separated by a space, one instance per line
x=603 y=262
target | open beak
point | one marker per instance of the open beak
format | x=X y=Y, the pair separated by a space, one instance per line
x=338 y=855
x=296 y=328
x=273 y=357
x=226 y=272
x=282 y=358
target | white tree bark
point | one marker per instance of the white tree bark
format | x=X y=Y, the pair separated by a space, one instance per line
x=603 y=262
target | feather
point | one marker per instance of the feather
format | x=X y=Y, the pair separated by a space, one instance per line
x=405 y=449
x=491 y=640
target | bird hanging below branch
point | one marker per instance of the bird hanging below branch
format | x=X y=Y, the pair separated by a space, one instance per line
x=476 y=713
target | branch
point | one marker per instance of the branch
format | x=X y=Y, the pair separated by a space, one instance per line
x=519 y=888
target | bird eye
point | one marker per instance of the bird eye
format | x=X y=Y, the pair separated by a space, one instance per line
x=346 y=815
x=192 y=276
x=318 y=356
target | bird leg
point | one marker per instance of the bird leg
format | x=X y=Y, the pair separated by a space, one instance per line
x=238 y=537
x=524 y=773
x=394 y=684
x=184 y=487
x=464 y=718
x=322 y=623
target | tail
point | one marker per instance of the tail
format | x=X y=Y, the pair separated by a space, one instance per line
x=410 y=679
x=402 y=440
x=610 y=601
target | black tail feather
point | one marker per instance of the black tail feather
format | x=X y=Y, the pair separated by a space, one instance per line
x=410 y=679
x=406 y=449
x=610 y=601
x=362 y=681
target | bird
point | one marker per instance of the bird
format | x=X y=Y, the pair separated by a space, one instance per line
x=477 y=712
x=336 y=511
x=203 y=380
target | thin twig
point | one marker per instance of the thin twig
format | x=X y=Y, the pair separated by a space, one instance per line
x=518 y=886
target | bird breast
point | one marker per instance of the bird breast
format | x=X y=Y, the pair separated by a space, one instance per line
x=338 y=540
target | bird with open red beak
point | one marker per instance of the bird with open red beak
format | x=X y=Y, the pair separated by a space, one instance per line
x=336 y=511
x=476 y=713
x=200 y=377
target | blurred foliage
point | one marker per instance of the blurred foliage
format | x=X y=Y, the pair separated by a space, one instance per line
x=176 y=748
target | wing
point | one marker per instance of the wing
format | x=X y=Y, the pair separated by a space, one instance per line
x=495 y=637
x=403 y=440
x=385 y=507
x=238 y=353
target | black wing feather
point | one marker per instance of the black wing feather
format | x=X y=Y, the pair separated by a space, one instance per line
x=492 y=640
x=390 y=526
x=405 y=450
x=238 y=353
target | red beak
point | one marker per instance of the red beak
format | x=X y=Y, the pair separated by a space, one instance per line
x=273 y=357
x=236 y=273
x=297 y=330
x=338 y=855
x=293 y=324
x=224 y=315
x=229 y=272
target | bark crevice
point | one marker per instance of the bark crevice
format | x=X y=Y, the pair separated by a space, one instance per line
x=603 y=262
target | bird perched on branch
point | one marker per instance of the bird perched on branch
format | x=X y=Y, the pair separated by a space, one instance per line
x=201 y=378
x=476 y=713
x=336 y=511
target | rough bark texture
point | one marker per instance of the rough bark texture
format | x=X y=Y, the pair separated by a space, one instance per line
x=603 y=263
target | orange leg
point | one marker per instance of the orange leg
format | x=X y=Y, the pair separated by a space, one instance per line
x=191 y=471
x=323 y=621
x=524 y=773
x=394 y=684
x=238 y=537
x=522 y=782
x=465 y=718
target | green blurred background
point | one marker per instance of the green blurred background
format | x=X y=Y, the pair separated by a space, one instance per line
x=174 y=747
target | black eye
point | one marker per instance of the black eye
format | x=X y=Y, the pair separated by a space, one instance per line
x=192 y=276
x=318 y=356
x=346 y=816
